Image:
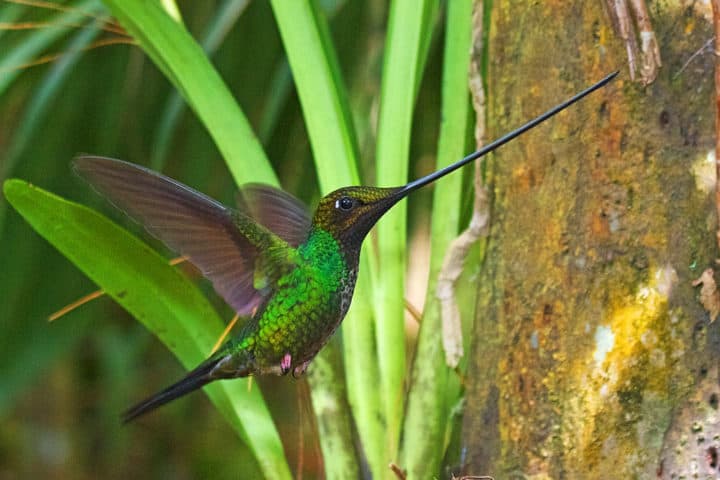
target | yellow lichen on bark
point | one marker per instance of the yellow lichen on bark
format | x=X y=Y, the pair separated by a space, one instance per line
x=589 y=334
x=635 y=336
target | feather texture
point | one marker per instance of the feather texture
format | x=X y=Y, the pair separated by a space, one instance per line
x=227 y=245
x=278 y=211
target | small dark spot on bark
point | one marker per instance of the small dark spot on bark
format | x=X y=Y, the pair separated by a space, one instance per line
x=623 y=141
x=521 y=384
x=664 y=118
x=698 y=335
x=703 y=371
x=689 y=136
x=532 y=180
x=547 y=313
x=712 y=457
x=640 y=261
x=713 y=401
x=596 y=31
x=629 y=398
x=603 y=109
x=506 y=307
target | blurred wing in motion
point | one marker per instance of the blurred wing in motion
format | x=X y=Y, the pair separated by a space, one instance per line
x=223 y=243
x=278 y=211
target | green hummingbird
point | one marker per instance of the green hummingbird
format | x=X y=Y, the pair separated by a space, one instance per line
x=292 y=273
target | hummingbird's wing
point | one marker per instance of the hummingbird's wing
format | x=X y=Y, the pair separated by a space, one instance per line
x=278 y=211
x=225 y=244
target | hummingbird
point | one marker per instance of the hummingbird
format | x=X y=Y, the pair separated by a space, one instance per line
x=292 y=273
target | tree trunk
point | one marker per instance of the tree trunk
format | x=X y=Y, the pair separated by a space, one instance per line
x=592 y=356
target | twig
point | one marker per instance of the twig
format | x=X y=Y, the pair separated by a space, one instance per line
x=457 y=252
x=97 y=293
x=108 y=24
x=413 y=311
x=631 y=20
x=649 y=49
x=473 y=477
x=716 y=24
x=301 y=436
x=621 y=14
x=77 y=303
x=706 y=47
x=46 y=25
x=225 y=333
x=399 y=472
x=55 y=56
x=709 y=295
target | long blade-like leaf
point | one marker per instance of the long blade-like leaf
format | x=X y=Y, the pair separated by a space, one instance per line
x=323 y=98
x=165 y=301
x=183 y=61
x=13 y=60
x=218 y=28
x=407 y=32
x=433 y=389
x=40 y=103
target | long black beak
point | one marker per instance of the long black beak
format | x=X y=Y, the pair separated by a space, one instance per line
x=421 y=182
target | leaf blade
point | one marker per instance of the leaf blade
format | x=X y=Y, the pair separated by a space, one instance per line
x=160 y=297
x=323 y=98
x=406 y=45
x=183 y=61
x=434 y=388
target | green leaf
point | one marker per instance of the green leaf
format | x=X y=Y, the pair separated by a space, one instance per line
x=9 y=14
x=434 y=388
x=184 y=63
x=281 y=88
x=322 y=94
x=40 y=103
x=407 y=34
x=327 y=390
x=159 y=296
x=323 y=98
x=172 y=9
x=224 y=19
x=13 y=59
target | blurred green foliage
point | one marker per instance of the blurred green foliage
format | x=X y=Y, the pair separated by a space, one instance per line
x=63 y=384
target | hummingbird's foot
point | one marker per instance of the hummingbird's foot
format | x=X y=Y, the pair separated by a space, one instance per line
x=299 y=370
x=285 y=364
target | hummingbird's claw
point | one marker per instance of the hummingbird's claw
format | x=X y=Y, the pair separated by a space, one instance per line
x=285 y=364
x=299 y=370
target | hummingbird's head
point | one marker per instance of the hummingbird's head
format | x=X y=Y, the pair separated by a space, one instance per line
x=349 y=213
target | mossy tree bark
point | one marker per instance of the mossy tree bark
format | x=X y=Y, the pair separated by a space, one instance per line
x=592 y=355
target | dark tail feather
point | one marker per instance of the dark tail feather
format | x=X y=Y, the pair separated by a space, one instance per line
x=202 y=375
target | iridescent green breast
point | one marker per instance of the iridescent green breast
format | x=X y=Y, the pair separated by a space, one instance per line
x=306 y=307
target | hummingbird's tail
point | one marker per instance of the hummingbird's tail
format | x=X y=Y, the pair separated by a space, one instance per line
x=206 y=372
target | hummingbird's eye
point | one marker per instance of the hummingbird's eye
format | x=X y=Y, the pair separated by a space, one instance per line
x=345 y=203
